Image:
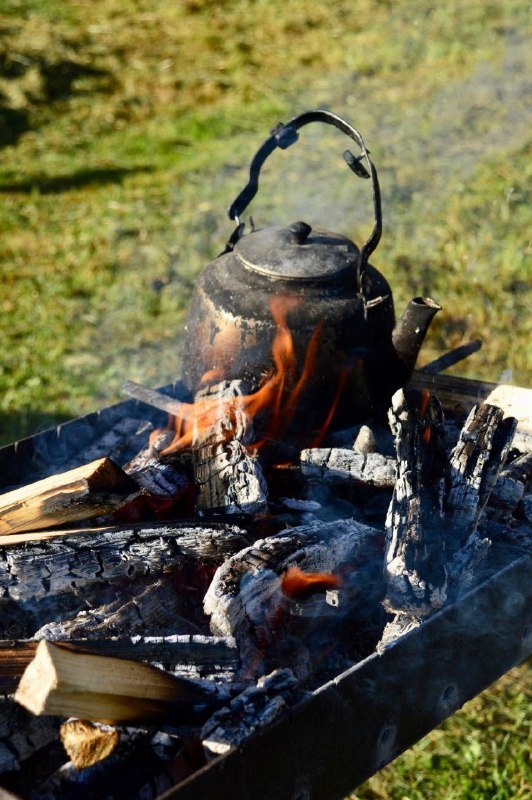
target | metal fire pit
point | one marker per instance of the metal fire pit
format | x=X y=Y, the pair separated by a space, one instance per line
x=352 y=726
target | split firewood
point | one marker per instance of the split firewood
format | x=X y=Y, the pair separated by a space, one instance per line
x=105 y=689
x=87 y=491
x=213 y=658
x=228 y=479
x=475 y=464
x=157 y=608
x=86 y=742
x=336 y=464
x=415 y=560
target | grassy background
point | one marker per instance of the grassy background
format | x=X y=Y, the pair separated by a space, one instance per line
x=126 y=129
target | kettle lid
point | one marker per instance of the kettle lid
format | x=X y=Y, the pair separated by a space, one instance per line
x=297 y=252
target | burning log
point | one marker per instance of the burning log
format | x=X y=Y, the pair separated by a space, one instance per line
x=212 y=658
x=415 y=545
x=336 y=464
x=246 y=597
x=228 y=479
x=106 y=689
x=142 y=765
x=87 y=491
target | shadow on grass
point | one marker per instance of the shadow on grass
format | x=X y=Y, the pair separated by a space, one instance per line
x=15 y=425
x=62 y=183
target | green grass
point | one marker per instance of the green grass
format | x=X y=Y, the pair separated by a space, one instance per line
x=126 y=129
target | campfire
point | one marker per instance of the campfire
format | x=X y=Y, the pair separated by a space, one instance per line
x=221 y=587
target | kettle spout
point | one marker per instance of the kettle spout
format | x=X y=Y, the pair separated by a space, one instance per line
x=409 y=333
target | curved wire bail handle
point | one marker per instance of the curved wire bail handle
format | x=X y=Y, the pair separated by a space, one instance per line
x=283 y=136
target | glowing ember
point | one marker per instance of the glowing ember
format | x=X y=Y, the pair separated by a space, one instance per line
x=278 y=396
x=301 y=585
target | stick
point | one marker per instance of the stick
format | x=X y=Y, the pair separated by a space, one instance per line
x=154 y=398
x=87 y=491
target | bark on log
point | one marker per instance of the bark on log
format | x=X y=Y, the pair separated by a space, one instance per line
x=105 y=689
x=341 y=465
x=87 y=491
x=66 y=563
x=415 y=560
x=228 y=479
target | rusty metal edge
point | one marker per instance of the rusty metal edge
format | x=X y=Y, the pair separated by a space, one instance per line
x=354 y=725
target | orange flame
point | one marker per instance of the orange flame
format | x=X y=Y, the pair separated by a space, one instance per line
x=279 y=393
x=301 y=585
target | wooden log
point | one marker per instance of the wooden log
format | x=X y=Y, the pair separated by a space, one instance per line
x=247 y=599
x=194 y=656
x=415 y=556
x=86 y=742
x=157 y=608
x=228 y=479
x=475 y=464
x=81 y=493
x=335 y=464
x=104 y=689
x=66 y=563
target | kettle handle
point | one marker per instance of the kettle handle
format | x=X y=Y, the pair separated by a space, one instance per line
x=284 y=135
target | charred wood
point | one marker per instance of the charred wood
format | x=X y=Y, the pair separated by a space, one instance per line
x=69 y=561
x=87 y=491
x=157 y=608
x=475 y=463
x=158 y=475
x=21 y=735
x=415 y=559
x=228 y=479
x=341 y=465
x=257 y=706
x=249 y=597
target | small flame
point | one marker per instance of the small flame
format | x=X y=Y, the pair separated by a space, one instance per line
x=279 y=394
x=301 y=585
x=423 y=408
